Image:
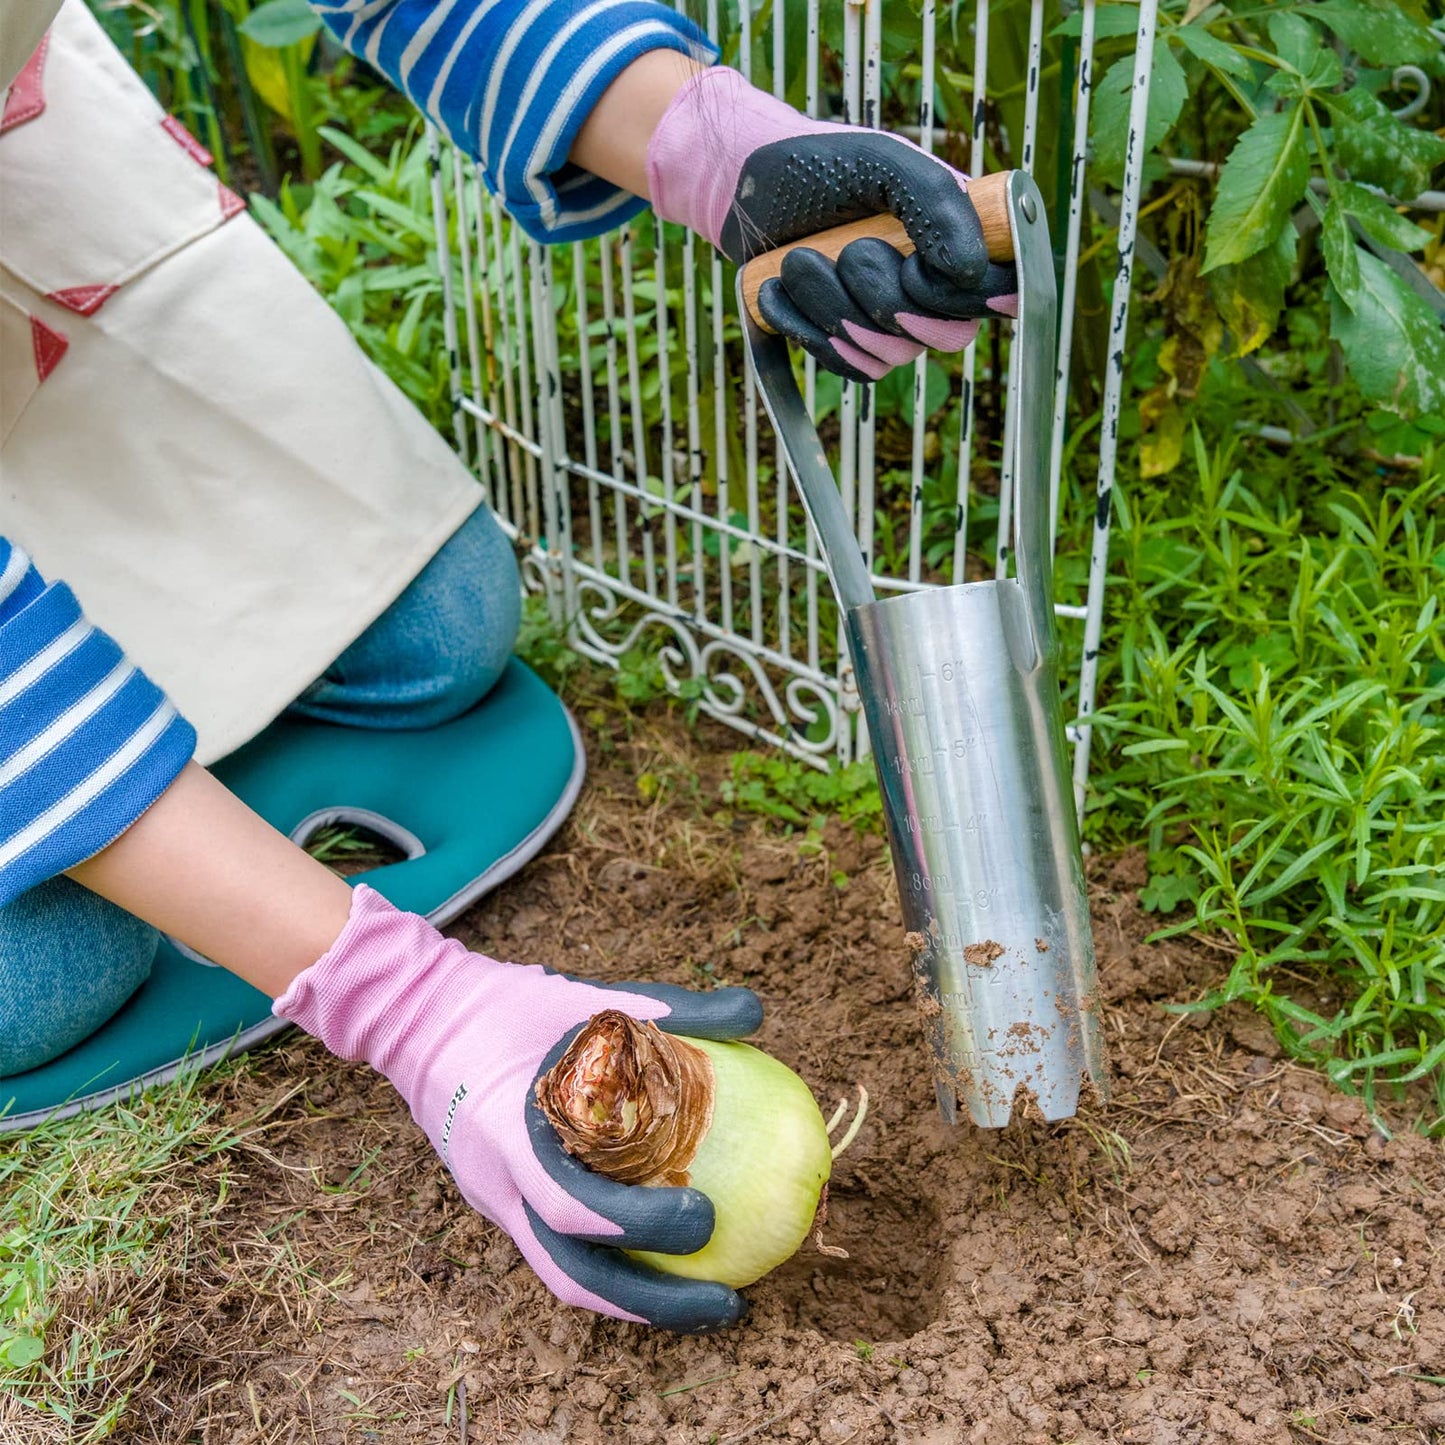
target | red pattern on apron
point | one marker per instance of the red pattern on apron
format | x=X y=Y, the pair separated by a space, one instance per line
x=26 y=99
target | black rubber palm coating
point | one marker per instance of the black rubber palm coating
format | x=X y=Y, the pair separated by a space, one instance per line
x=928 y=291
x=797 y=187
x=718 y=1013
x=794 y=188
x=871 y=269
x=815 y=287
x=688 y=1306
x=776 y=307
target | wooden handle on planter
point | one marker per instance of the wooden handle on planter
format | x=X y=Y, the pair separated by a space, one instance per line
x=989 y=195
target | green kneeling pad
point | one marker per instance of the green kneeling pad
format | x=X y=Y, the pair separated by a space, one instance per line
x=468 y=802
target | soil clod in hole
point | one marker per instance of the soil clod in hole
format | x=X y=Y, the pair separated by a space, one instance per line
x=891 y=1285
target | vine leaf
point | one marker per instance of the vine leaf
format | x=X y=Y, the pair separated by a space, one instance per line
x=1380 y=221
x=1264 y=177
x=1392 y=341
x=1109 y=21
x=1342 y=259
x=1212 y=51
x=1382 y=32
x=1296 y=41
x=1168 y=90
x=1377 y=148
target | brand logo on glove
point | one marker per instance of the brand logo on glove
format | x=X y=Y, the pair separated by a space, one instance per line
x=457 y=1098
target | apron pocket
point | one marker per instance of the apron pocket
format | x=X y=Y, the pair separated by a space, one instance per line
x=97 y=188
x=29 y=351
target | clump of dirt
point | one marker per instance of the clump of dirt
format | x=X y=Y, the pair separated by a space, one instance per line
x=1229 y=1251
x=983 y=955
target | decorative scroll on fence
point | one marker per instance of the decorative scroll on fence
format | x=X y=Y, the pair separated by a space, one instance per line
x=601 y=397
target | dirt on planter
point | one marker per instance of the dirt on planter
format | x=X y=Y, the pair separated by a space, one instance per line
x=1227 y=1252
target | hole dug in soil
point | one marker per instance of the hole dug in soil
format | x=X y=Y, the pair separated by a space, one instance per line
x=891 y=1285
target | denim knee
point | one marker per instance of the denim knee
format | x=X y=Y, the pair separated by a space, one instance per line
x=439 y=648
x=68 y=961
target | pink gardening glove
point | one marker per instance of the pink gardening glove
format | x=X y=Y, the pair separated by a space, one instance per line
x=463 y=1038
x=750 y=173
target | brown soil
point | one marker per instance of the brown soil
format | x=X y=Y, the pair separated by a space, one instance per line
x=983 y=955
x=1227 y=1252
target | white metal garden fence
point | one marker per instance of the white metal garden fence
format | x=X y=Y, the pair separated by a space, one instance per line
x=601 y=396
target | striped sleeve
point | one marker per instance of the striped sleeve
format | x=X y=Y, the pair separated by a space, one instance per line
x=512 y=81
x=87 y=741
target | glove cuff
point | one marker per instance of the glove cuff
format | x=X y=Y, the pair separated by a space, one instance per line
x=365 y=997
x=696 y=154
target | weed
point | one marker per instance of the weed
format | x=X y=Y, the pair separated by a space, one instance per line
x=83 y=1209
x=642 y=678
x=790 y=791
x=1278 y=708
x=544 y=647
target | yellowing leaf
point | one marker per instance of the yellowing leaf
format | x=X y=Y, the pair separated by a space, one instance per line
x=1161 y=435
x=1250 y=296
x=267 y=73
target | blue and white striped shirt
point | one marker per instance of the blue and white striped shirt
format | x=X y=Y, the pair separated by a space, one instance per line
x=512 y=81
x=87 y=742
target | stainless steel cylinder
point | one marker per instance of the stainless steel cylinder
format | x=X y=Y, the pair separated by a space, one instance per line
x=960 y=691
x=968 y=738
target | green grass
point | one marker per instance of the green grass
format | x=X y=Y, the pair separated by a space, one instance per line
x=97 y=1214
x=1279 y=737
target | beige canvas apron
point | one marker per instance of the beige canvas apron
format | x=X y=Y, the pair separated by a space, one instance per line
x=188 y=435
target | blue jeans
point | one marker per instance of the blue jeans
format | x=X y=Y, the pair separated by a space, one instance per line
x=69 y=959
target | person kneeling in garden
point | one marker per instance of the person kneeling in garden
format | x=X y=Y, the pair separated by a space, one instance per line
x=255 y=521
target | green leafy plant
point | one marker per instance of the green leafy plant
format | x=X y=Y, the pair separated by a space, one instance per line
x=1318 y=165
x=22 y=1316
x=1280 y=721
x=790 y=791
